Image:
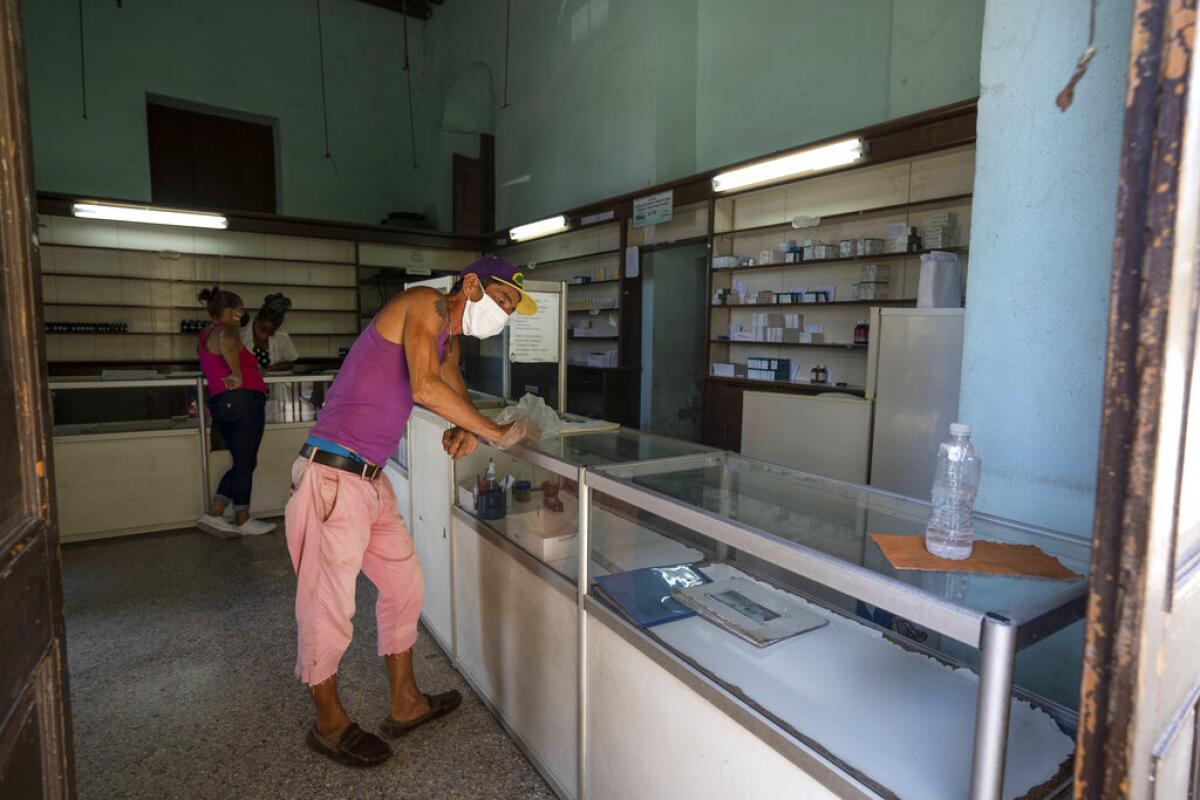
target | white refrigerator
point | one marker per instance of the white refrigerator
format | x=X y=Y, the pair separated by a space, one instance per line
x=914 y=365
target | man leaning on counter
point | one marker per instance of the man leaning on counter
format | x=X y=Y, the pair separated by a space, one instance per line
x=342 y=516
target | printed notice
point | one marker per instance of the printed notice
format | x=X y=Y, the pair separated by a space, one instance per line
x=534 y=339
x=653 y=209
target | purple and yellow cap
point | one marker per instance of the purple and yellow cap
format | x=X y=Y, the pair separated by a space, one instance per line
x=503 y=270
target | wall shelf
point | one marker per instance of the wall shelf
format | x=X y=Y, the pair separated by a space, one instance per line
x=555 y=261
x=799 y=388
x=834 y=345
x=848 y=215
x=906 y=301
x=199 y=309
x=834 y=261
x=203 y=282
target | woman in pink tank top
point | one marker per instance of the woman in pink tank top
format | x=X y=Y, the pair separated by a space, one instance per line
x=238 y=401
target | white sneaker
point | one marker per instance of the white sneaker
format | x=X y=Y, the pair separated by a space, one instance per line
x=218 y=527
x=254 y=527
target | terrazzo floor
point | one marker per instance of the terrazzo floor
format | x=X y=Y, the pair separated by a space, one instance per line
x=180 y=651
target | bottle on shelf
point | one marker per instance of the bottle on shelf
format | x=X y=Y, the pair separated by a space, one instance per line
x=862 y=332
x=950 y=533
x=491 y=474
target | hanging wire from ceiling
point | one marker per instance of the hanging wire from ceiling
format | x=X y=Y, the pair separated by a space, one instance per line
x=324 y=97
x=1067 y=95
x=507 y=33
x=82 y=62
x=412 y=125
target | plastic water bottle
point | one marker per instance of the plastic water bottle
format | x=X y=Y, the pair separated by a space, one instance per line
x=951 y=530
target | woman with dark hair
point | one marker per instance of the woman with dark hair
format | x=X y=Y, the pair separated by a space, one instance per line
x=237 y=400
x=265 y=338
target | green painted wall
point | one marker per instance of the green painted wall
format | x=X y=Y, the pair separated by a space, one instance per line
x=609 y=96
x=604 y=96
x=257 y=57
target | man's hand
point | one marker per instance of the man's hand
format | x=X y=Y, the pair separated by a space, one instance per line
x=458 y=442
x=232 y=382
x=516 y=432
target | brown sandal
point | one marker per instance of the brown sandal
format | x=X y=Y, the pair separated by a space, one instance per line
x=439 y=706
x=356 y=748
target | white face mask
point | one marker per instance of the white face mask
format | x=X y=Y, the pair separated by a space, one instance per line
x=483 y=318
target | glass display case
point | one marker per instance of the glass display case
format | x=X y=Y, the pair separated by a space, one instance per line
x=768 y=582
x=89 y=405
x=157 y=435
x=533 y=500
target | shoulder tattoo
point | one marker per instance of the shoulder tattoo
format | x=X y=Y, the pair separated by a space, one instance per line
x=439 y=305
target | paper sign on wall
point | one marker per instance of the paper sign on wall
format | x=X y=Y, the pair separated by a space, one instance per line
x=653 y=209
x=534 y=339
x=632 y=261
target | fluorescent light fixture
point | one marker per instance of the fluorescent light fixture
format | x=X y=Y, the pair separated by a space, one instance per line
x=814 y=159
x=153 y=216
x=543 y=227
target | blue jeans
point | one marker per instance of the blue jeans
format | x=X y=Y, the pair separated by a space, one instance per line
x=240 y=416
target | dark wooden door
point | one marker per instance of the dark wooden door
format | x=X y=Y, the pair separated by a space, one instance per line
x=209 y=161
x=35 y=746
x=721 y=421
x=1139 y=726
x=468 y=195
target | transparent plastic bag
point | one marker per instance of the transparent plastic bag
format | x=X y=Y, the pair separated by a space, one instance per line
x=542 y=420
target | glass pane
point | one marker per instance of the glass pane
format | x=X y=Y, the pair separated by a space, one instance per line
x=121 y=409
x=875 y=701
x=838 y=518
x=538 y=510
x=614 y=447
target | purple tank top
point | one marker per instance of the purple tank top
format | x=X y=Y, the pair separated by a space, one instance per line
x=371 y=398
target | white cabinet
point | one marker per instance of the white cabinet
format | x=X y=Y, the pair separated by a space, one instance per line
x=432 y=482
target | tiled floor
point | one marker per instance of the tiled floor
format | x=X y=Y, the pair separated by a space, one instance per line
x=181 y=651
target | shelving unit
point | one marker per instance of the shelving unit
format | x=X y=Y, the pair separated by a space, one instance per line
x=384 y=269
x=149 y=276
x=854 y=203
x=593 y=251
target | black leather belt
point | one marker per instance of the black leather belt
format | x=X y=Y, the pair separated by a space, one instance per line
x=354 y=466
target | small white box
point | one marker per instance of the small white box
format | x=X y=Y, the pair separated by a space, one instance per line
x=722 y=369
x=545 y=534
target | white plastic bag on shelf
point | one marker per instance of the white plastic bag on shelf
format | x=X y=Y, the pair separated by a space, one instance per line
x=941 y=281
x=537 y=415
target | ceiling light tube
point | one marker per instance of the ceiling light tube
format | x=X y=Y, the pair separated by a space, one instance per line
x=813 y=159
x=534 y=230
x=153 y=216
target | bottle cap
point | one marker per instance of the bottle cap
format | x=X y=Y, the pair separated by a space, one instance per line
x=960 y=429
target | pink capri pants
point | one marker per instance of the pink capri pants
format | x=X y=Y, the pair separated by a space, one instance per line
x=337 y=525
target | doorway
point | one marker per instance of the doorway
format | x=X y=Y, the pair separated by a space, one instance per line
x=673 y=306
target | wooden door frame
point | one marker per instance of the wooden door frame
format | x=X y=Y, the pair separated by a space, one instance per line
x=1124 y=552
x=22 y=542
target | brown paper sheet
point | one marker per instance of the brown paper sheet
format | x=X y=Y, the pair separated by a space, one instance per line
x=989 y=558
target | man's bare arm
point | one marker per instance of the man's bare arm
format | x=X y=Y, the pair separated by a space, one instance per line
x=452 y=368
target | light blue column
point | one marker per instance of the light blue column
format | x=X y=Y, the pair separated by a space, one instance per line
x=1041 y=257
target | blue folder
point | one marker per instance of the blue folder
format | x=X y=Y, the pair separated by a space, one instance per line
x=644 y=595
